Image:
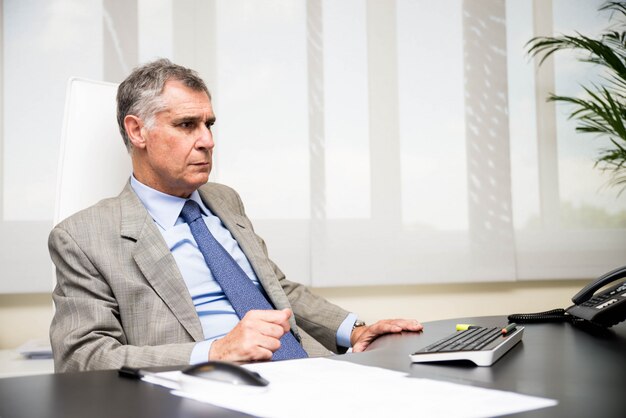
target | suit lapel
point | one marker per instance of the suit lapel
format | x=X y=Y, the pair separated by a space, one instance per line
x=157 y=263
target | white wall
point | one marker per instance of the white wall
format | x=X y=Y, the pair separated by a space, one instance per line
x=24 y=317
x=433 y=302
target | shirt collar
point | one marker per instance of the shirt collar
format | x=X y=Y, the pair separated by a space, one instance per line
x=163 y=208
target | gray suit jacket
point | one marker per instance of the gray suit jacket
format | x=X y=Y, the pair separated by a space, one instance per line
x=121 y=300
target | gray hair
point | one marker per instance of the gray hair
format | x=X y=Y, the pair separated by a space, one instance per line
x=140 y=93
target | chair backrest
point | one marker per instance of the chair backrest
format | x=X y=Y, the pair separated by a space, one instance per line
x=93 y=162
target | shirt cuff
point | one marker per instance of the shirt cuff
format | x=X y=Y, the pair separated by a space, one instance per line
x=345 y=331
x=200 y=352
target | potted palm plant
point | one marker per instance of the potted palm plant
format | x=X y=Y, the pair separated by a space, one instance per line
x=602 y=110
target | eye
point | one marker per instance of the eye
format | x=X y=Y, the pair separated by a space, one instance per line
x=209 y=125
x=186 y=125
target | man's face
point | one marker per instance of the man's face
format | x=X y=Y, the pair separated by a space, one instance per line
x=176 y=154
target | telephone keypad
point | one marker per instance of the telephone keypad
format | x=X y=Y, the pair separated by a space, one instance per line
x=607 y=303
x=596 y=299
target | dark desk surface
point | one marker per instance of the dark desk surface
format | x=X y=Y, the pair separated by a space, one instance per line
x=583 y=369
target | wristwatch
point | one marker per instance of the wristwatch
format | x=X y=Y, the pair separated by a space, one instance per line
x=358 y=323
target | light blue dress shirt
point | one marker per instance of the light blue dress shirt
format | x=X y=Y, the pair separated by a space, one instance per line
x=216 y=314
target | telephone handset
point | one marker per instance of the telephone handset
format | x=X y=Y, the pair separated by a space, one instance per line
x=605 y=308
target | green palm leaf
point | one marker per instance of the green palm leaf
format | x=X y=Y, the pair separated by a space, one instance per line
x=603 y=110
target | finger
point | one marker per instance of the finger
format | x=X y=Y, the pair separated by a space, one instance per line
x=286 y=325
x=287 y=312
x=254 y=353
x=229 y=349
x=396 y=325
x=405 y=323
x=280 y=318
x=268 y=343
x=248 y=346
x=360 y=346
x=261 y=354
x=277 y=317
x=258 y=319
x=383 y=327
x=270 y=329
x=409 y=324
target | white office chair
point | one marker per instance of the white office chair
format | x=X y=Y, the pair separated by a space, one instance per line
x=93 y=162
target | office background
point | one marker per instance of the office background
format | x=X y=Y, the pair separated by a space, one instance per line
x=398 y=156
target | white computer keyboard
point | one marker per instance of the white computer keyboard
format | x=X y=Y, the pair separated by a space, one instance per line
x=482 y=346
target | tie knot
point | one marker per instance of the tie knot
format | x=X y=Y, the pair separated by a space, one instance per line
x=191 y=211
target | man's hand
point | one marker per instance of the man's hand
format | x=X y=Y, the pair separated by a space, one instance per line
x=362 y=336
x=255 y=338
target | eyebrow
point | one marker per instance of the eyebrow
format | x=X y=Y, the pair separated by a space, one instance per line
x=191 y=118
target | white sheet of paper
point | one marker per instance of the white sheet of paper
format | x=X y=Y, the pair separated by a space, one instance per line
x=36 y=349
x=321 y=387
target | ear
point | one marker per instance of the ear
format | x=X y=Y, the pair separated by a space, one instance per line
x=134 y=130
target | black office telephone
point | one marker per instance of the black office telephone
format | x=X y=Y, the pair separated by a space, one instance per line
x=605 y=307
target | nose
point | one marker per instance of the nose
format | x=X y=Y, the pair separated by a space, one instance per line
x=205 y=139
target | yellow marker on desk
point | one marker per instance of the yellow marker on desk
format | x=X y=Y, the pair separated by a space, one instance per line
x=465 y=327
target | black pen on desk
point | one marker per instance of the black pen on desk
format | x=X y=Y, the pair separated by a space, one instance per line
x=135 y=373
x=132 y=372
x=509 y=328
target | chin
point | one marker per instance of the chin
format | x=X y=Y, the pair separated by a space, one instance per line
x=201 y=181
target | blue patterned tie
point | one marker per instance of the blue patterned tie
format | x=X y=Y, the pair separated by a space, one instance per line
x=237 y=286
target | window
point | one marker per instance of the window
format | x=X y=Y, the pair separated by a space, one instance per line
x=395 y=142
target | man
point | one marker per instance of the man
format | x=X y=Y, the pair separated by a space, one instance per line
x=137 y=283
